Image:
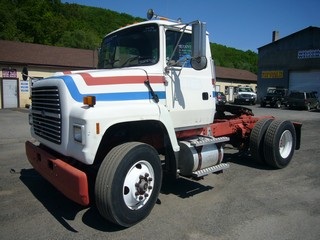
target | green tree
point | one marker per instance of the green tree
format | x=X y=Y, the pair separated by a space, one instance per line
x=79 y=39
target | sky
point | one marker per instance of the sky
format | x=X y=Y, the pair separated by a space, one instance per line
x=240 y=24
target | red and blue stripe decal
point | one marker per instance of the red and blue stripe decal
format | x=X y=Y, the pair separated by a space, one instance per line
x=118 y=96
x=93 y=81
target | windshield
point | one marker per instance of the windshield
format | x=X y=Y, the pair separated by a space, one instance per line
x=275 y=91
x=271 y=91
x=136 y=46
x=299 y=95
x=245 y=89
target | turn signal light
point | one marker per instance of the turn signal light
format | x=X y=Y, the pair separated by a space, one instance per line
x=89 y=100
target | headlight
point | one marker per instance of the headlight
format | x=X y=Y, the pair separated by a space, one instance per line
x=78 y=133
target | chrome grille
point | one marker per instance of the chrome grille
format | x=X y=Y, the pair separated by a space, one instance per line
x=246 y=95
x=46 y=113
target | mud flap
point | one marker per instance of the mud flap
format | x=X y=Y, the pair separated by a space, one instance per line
x=297 y=127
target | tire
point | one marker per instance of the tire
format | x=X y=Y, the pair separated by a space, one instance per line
x=279 y=143
x=309 y=107
x=257 y=139
x=128 y=183
x=277 y=104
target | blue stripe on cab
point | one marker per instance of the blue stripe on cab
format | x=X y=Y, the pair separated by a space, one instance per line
x=123 y=96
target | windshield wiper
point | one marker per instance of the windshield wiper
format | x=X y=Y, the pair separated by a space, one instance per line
x=153 y=94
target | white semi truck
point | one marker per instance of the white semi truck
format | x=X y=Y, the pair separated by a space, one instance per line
x=109 y=136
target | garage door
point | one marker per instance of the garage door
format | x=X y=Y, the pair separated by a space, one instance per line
x=305 y=81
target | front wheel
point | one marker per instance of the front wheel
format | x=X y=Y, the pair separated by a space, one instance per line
x=309 y=107
x=278 y=104
x=279 y=143
x=128 y=183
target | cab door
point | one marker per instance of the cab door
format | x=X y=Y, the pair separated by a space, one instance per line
x=189 y=92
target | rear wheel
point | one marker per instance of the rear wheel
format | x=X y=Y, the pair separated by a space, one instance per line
x=279 y=143
x=128 y=183
x=257 y=139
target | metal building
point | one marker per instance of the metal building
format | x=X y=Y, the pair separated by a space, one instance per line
x=292 y=62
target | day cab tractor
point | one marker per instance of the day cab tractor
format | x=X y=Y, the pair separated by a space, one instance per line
x=109 y=136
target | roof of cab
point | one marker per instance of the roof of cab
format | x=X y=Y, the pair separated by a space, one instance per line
x=160 y=22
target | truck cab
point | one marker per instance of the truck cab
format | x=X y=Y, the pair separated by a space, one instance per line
x=148 y=72
x=163 y=50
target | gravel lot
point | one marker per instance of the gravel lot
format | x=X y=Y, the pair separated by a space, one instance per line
x=247 y=201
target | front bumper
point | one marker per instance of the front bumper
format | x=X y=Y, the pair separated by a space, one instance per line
x=72 y=182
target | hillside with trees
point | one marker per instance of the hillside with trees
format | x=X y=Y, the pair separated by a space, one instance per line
x=51 y=22
x=234 y=58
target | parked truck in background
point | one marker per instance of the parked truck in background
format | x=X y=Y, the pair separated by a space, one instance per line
x=245 y=95
x=276 y=97
x=303 y=100
x=109 y=136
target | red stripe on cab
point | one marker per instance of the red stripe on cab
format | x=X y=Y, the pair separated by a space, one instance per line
x=91 y=81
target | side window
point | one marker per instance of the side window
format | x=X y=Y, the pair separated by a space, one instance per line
x=182 y=55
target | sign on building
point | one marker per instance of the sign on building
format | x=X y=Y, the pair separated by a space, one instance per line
x=272 y=74
x=9 y=73
x=311 y=53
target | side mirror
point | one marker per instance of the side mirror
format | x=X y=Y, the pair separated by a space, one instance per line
x=199 y=59
x=150 y=14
